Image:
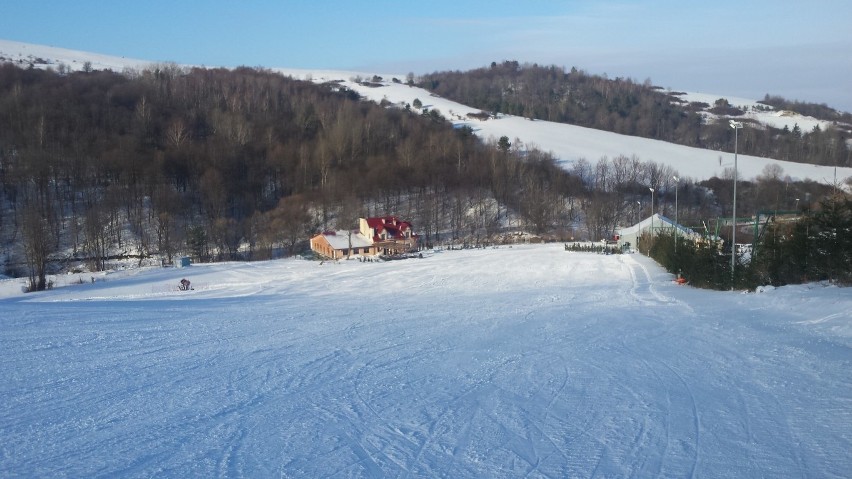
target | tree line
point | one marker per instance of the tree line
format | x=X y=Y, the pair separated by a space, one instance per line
x=247 y=164
x=624 y=106
x=168 y=161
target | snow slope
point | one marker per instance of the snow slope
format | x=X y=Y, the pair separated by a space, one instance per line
x=513 y=362
x=568 y=143
x=42 y=56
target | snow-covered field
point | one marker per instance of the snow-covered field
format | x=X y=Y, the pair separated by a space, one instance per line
x=513 y=362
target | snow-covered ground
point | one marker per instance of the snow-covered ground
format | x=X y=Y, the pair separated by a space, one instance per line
x=527 y=361
x=759 y=112
x=568 y=143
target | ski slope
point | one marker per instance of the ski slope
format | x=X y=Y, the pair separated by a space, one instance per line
x=569 y=143
x=527 y=361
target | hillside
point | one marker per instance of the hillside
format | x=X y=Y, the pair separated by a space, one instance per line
x=568 y=143
x=248 y=163
x=491 y=359
x=621 y=105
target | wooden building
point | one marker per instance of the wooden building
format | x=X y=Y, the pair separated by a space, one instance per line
x=387 y=235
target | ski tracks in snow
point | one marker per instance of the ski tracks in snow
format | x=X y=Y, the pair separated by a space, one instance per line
x=645 y=289
x=572 y=365
x=667 y=441
x=642 y=287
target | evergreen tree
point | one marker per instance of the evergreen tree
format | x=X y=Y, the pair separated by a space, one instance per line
x=832 y=239
x=503 y=144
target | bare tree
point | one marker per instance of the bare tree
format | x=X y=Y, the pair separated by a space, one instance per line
x=177 y=133
x=37 y=247
x=95 y=229
x=291 y=221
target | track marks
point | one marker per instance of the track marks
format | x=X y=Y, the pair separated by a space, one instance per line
x=642 y=287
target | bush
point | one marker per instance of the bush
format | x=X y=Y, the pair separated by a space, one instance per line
x=703 y=264
x=817 y=247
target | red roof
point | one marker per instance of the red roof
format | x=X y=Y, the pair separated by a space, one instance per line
x=394 y=227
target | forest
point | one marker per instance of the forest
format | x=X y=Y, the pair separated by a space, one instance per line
x=167 y=161
x=246 y=164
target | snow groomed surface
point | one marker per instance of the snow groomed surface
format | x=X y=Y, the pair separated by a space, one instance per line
x=513 y=362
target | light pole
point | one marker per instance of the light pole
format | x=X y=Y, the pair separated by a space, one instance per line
x=652 y=219
x=639 y=219
x=677 y=183
x=737 y=126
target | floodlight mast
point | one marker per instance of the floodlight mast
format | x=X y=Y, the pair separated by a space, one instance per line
x=736 y=125
x=677 y=183
x=639 y=219
x=652 y=219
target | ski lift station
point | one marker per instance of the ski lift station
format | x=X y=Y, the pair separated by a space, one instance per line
x=628 y=238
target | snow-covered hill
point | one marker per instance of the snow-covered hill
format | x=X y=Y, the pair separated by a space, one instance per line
x=513 y=362
x=567 y=142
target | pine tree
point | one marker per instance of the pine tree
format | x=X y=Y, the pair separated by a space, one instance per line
x=832 y=239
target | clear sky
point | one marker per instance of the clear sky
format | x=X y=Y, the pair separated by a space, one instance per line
x=796 y=49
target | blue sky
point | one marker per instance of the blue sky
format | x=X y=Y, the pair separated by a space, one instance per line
x=800 y=50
